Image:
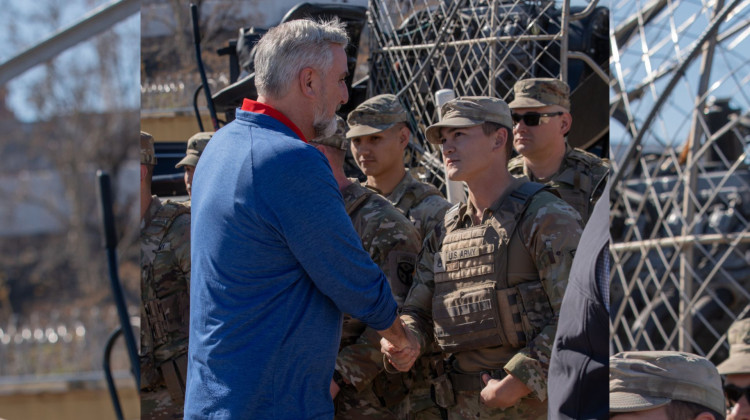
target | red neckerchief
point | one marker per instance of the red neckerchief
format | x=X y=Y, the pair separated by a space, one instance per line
x=261 y=108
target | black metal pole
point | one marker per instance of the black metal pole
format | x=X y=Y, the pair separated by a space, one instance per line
x=108 y=372
x=201 y=69
x=110 y=243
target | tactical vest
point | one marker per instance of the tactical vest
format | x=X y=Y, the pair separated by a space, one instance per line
x=164 y=293
x=580 y=182
x=476 y=303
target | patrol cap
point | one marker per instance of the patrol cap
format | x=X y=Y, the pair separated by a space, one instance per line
x=739 y=349
x=338 y=139
x=468 y=111
x=195 y=146
x=374 y=115
x=536 y=93
x=148 y=157
x=642 y=380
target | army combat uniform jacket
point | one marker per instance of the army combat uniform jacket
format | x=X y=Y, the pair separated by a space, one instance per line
x=393 y=244
x=490 y=294
x=420 y=202
x=579 y=181
x=165 y=302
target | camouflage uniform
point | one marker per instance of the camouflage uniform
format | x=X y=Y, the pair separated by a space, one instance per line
x=367 y=392
x=422 y=203
x=645 y=380
x=165 y=283
x=507 y=275
x=425 y=207
x=581 y=177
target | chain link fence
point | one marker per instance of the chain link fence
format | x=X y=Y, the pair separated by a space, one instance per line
x=480 y=48
x=680 y=124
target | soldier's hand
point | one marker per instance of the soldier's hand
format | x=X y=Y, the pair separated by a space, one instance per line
x=403 y=353
x=502 y=393
x=334 y=389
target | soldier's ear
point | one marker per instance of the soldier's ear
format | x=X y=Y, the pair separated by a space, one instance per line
x=567 y=121
x=499 y=138
x=144 y=172
x=403 y=136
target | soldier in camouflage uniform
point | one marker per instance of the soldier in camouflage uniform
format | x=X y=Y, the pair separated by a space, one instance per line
x=664 y=385
x=165 y=283
x=490 y=280
x=195 y=146
x=365 y=391
x=737 y=370
x=379 y=135
x=541 y=120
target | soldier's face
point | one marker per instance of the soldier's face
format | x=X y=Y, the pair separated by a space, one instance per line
x=534 y=142
x=740 y=410
x=189 y=171
x=381 y=153
x=652 y=414
x=467 y=152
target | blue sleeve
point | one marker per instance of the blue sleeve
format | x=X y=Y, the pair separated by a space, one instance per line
x=308 y=210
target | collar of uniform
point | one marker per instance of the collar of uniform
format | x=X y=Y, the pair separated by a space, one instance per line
x=401 y=188
x=265 y=109
x=466 y=211
x=563 y=167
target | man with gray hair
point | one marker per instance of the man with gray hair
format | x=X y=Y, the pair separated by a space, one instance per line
x=278 y=260
x=664 y=385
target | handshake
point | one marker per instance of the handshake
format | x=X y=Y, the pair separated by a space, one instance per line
x=400 y=346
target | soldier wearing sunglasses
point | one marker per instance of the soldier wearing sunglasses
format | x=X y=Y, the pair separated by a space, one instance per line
x=737 y=371
x=541 y=120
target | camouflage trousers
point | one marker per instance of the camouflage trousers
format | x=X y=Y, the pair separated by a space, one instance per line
x=416 y=401
x=158 y=405
x=469 y=406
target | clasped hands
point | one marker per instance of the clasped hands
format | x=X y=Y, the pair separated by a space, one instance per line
x=400 y=349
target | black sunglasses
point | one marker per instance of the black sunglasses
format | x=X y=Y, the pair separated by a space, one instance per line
x=735 y=393
x=532 y=119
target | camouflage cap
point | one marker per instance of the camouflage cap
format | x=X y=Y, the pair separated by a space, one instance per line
x=195 y=146
x=148 y=156
x=536 y=93
x=642 y=380
x=468 y=111
x=739 y=349
x=374 y=115
x=338 y=139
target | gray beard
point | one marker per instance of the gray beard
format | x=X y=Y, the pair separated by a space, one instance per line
x=324 y=128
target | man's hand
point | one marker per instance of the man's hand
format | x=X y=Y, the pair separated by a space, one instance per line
x=503 y=393
x=334 y=389
x=400 y=346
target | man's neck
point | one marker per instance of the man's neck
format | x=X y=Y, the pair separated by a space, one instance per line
x=486 y=190
x=387 y=182
x=145 y=201
x=292 y=108
x=341 y=179
x=543 y=167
